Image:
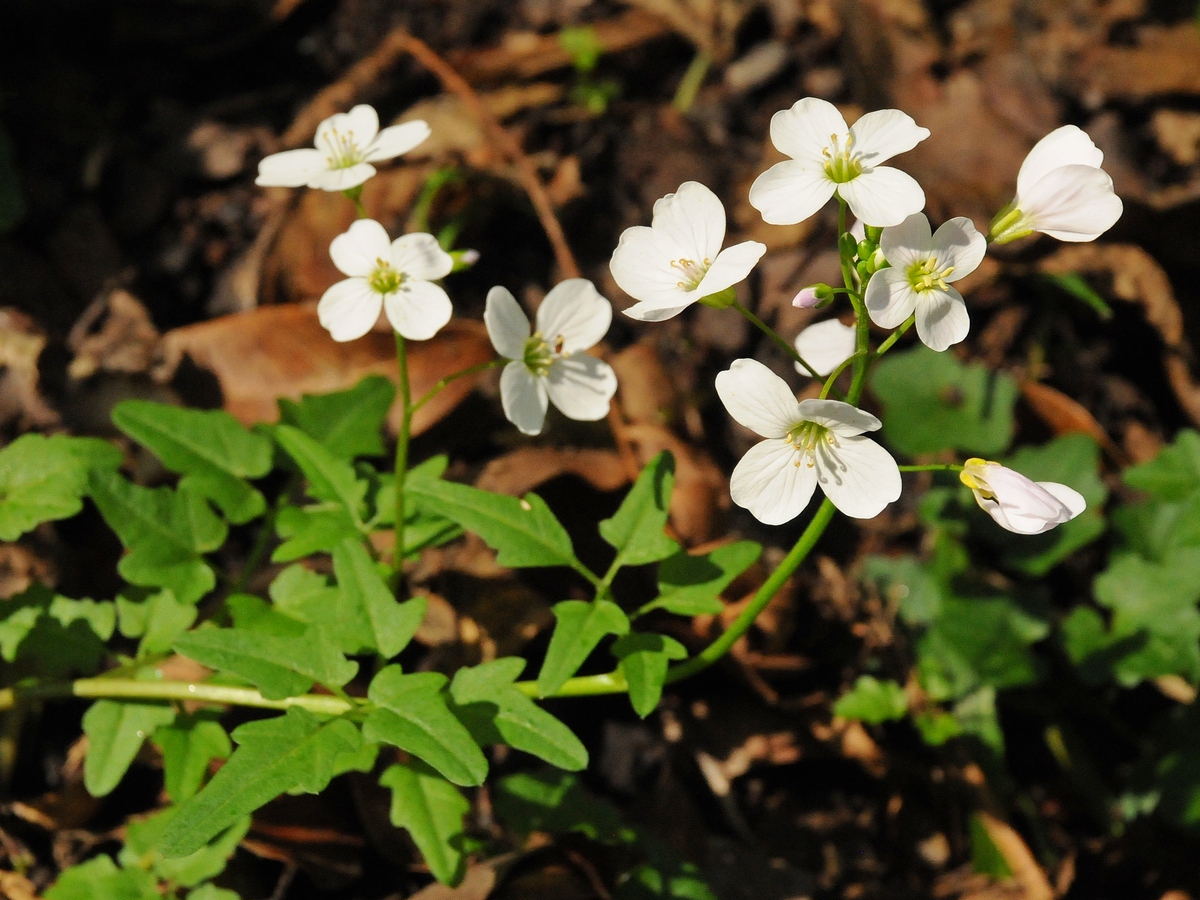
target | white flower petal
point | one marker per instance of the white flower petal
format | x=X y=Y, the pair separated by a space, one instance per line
x=768 y=482
x=342 y=179
x=858 y=475
x=357 y=128
x=691 y=219
x=1072 y=203
x=1067 y=496
x=880 y=135
x=418 y=310
x=397 y=140
x=804 y=131
x=643 y=270
x=357 y=251
x=757 y=398
x=581 y=386
x=959 y=244
x=506 y=323
x=731 y=266
x=790 y=192
x=292 y=168
x=646 y=312
x=523 y=397
x=908 y=243
x=840 y=418
x=420 y=256
x=575 y=312
x=349 y=309
x=890 y=298
x=883 y=196
x=942 y=318
x=1017 y=503
x=1065 y=146
x=825 y=346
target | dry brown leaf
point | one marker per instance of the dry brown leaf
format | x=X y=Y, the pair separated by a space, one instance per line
x=14 y=886
x=476 y=885
x=1164 y=61
x=114 y=334
x=282 y=351
x=1138 y=278
x=1178 y=133
x=21 y=402
x=524 y=469
x=1065 y=415
x=20 y=567
x=1018 y=856
x=701 y=489
x=647 y=393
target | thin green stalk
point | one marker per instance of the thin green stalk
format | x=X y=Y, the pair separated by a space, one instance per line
x=933 y=467
x=401 y=460
x=775 y=337
x=354 y=194
x=582 y=686
x=895 y=336
x=445 y=382
x=836 y=373
x=770 y=587
x=689 y=85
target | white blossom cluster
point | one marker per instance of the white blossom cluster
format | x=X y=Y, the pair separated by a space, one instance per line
x=680 y=259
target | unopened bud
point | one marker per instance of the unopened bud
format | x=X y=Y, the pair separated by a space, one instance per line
x=813 y=296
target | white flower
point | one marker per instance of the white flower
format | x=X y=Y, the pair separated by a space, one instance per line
x=922 y=267
x=1061 y=191
x=825 y=346
x=396 y=276
x=827 y=156
x=347 y=144
x=678 y=259
x=807 y=443
x=1015 y=502
x=550 y=365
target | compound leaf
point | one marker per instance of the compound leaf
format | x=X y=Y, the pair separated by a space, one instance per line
x=188 y=745
x=430 y=809
x=329 y=478
x=636 y=529
x=581 y=626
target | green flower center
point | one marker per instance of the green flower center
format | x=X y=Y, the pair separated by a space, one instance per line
x=385 y=279
x=840 y=164
x=343 y=150
x=806 y=437
x=539 y=355
x=925 y=276
x=693 y=273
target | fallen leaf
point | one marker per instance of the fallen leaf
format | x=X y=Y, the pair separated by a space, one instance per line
x=1065 y=415
x=1165 y=60
x=15 y=886
x=282 y=351
x=1020 y=859
x=1178 y=133
x=20 y=567
x=524 y=469
x=114 y=334
x=21 y=401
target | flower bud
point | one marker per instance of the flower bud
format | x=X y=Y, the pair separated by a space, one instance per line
x=813 y=296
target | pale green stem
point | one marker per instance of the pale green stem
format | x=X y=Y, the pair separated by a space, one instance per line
x=401 y=461
x=689 y=85
x=895 y=336
x=445 y=382
x=933 y=467
x=133 y=689
x=775 y=337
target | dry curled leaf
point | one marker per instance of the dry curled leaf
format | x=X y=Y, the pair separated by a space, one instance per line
x=114 y=334
x=21 y=402
x=524 y=469
x=1165 y=60
x=282 y=351
x=1020 y=859
x=1065 y=415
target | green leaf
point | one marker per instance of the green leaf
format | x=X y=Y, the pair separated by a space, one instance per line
x=556 y=803
x=690 y=585
x=346 y=423
x=55 y=635
x=210 y=448
x=933 y=402
x=430 y=809
x=1174 y=474
x=1073 y=460
x=1076 y=285
x=495 y=712
x=116 y=731
x=311 y=529
x=978 y=641
x=636 y=529
x=413 y=716
x=904 y=583
x=367 y=608
x=141 y=850
x=45 y=478
x=188 y=745
x=281 y=658
x=581 y=626
x=212 y=892
x=165 y=531
x=158 y=619
x=937 y=727
x=100 y=879
x=986 y=857
x=523 y=532
x=643 y=661
x=295 y=751
x=873 y=701
x=329 y=478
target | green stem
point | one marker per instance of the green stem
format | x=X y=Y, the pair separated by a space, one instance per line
x=774 y=336
x=445 y=382
x=834 y=375
x=354 y=194
x=770 y=587
x=689 y=85
x=933 y=467
x=582 y=686
x=895 y=336
x=401 y=461
x=262 y=541
x=133 y=689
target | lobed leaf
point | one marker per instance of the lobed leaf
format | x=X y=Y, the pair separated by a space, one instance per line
x=873 y=701
x=366 y=607
x=347 y=423
x=188 y=745
x=329 y=478
x=116 y=731
x=45 y=478
x=55 y=635
x=100 y=879
x=1174 y=474
x=158 y=619
x=644 y=659
x=210 y=448
x=691 y=584
x=636 y=530
x=430 y=809
x=580 y=627
x=141 y=850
